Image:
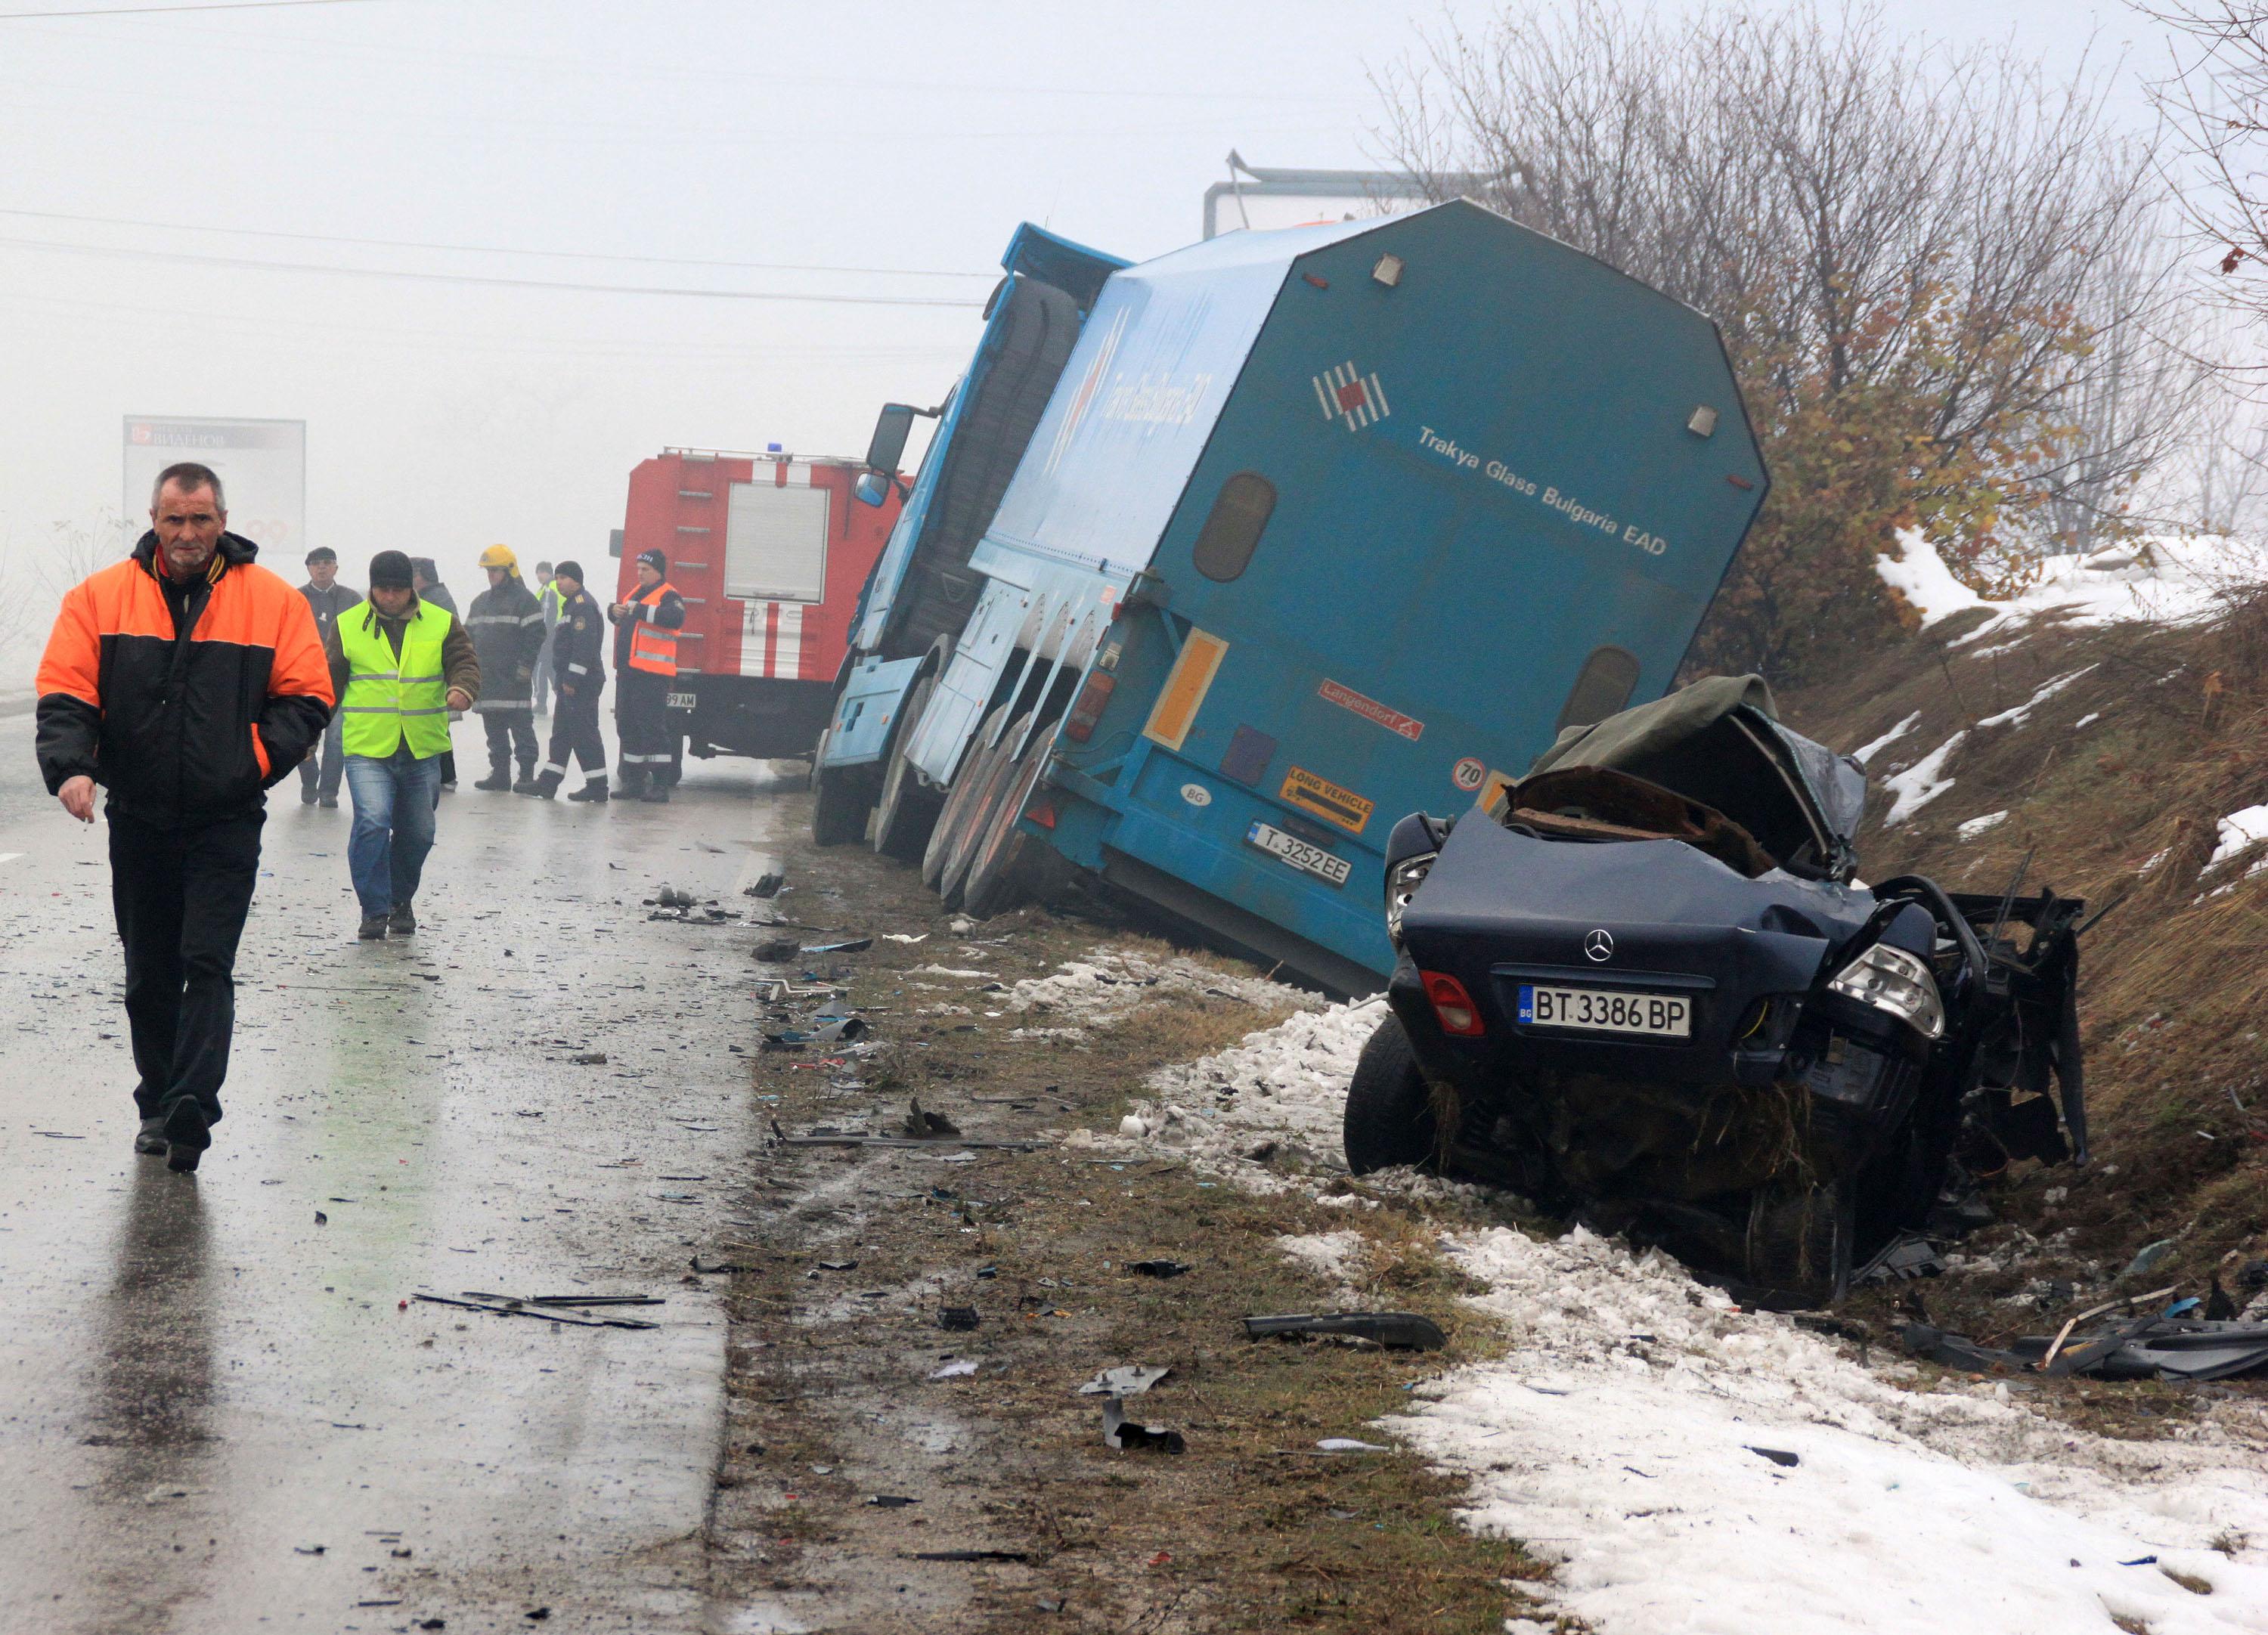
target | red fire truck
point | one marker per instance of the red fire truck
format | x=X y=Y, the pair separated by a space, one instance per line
x=769 y=552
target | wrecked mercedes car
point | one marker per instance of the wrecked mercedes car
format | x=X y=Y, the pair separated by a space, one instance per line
x=1643 y=988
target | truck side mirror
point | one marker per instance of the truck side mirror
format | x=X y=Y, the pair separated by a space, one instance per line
x=891 y=428
x=871 y=488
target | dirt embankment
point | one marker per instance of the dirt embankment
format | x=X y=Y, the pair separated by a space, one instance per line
x=2111 y=755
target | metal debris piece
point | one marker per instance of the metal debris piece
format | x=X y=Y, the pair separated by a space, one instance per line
x=1400 y=1330
x=522 y=1308
x=767 y=885
x=817 y=1139
x=590 y=1058
x=969 y=1554
x=1127 y=1434
x=855 y=945
x=1779 y=1456
x=890 y=1501
x=1131 y=1379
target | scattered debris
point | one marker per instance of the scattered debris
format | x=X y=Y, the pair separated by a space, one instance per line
x=1127 y=1434
x=837 y=1266
x=1399 y=1330
x=2149 y=1256
x=590 y=1058
x=505 y=1305
x=899 y=936
x=1779 y=1456
x=321 y=1220
x=855 y=945
x=960 y=1370
x=703 y=1269
x=923 y=1125
x=1130 y=1381
x=766 y=886
x=1157 y=1268
x=1347 y=1445
x=778 y=951
x=957 y=1317
x=890 y=1501
x=969 y=1554
x=2153 y=1346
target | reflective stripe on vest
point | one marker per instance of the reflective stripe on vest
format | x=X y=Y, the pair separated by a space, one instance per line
x=652 y=647
x=390 y=700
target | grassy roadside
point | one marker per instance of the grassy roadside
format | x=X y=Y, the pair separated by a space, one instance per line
x=1253 y=1528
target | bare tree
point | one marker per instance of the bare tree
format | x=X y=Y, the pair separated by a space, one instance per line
x=2215 y=98
x=1941 y=275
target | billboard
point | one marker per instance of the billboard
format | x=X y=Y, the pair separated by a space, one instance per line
x=263 y=474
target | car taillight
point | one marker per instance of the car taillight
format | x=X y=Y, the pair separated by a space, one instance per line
x=1042 y=813
x=1087 y=709
x=1453 y=1006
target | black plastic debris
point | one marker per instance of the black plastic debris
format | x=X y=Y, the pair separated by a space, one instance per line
x=704 y=1269
x=1399 y=1330
x=832 y=1029
x=969 y=1554
x=1128 y=1435
x=766 y=886
x=778 y=951
x=2150 y=1347
x=837 y=1265
x=670 y=897
x=321 y=1220
x=589 y=1058
x=1902 y=1260
x=855 y=945
x=922 y=1124
x=505 y=1305
x=1157 y=1268
x=890 y=1501
x=1779 y=1456
x=957 y=1318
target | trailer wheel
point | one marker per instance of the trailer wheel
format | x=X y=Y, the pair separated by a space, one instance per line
x=1798 y=1250
x=838 y=804
x=977 y=818
x=908 y=809
x=963 y=789
x=1389 y=1111
x=1009 y=867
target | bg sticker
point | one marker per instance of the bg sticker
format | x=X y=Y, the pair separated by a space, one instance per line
x=1197 y=794
x=1327 y=801
x=1467 y=774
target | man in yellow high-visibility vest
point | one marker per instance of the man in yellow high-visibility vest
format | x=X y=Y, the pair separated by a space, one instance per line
x=400 y=665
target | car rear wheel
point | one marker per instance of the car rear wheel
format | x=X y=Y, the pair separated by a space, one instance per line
x=908 y=809
x=838 y=803
x=977 y=822
x=1389 y=1111
x=1009 y=867
x=962 y=792
x=1798 y=1242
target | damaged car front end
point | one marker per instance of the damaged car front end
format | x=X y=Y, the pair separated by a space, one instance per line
x=1643 y=988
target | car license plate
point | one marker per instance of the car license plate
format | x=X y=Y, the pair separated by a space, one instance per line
x=1300 y=854
x=680 y=701
x=1600 y=1010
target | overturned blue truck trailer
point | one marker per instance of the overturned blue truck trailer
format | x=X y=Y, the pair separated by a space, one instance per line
x=1219 y=563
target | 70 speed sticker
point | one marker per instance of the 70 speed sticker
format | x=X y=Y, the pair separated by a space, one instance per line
x=1468 y=773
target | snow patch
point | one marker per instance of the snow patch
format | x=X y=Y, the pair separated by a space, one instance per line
x=1919 y=784
x=1329 y=1255
x=2238 y=830
x=2017 y=716
x=1865 y=753
x=2088 y=719
x=1110 y=983
x=2161 y=579
x=1977 y=826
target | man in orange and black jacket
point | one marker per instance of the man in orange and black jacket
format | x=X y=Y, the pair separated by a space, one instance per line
x=185 y=680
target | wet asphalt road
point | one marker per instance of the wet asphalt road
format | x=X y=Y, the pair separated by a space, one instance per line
x=215 y=1414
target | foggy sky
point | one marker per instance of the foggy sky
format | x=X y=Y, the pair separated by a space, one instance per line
x=445 y=417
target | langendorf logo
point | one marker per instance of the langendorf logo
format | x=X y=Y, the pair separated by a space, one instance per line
x=1347 y=394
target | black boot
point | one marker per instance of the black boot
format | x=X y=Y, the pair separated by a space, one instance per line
x=594 y=791
x=498 y=780
x=526 y=783
x=656 y=793
x=542 y=788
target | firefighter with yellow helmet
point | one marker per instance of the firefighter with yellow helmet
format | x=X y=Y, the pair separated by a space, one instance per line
x=506 y=625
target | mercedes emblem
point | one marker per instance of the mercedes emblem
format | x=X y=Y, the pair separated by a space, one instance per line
x=1599 y=946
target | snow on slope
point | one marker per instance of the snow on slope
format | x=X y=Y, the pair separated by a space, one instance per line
x=1615 y=1435
x=2159 y=579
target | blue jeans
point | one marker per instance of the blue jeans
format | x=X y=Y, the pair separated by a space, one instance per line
x=393 y=802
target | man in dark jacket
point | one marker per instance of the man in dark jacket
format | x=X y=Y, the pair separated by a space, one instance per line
x=327 y=600
x=185 y=680
x=507 y=627
x=579 y=665
x=425 y=583
x=646 y=623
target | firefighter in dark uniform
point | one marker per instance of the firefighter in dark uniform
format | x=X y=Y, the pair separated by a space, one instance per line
x=646 y=622
x=578 y=669
x=506 y=625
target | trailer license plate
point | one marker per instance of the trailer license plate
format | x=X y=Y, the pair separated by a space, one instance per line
x=680 y=701
x=1598 y=1010
x=1299 y=853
